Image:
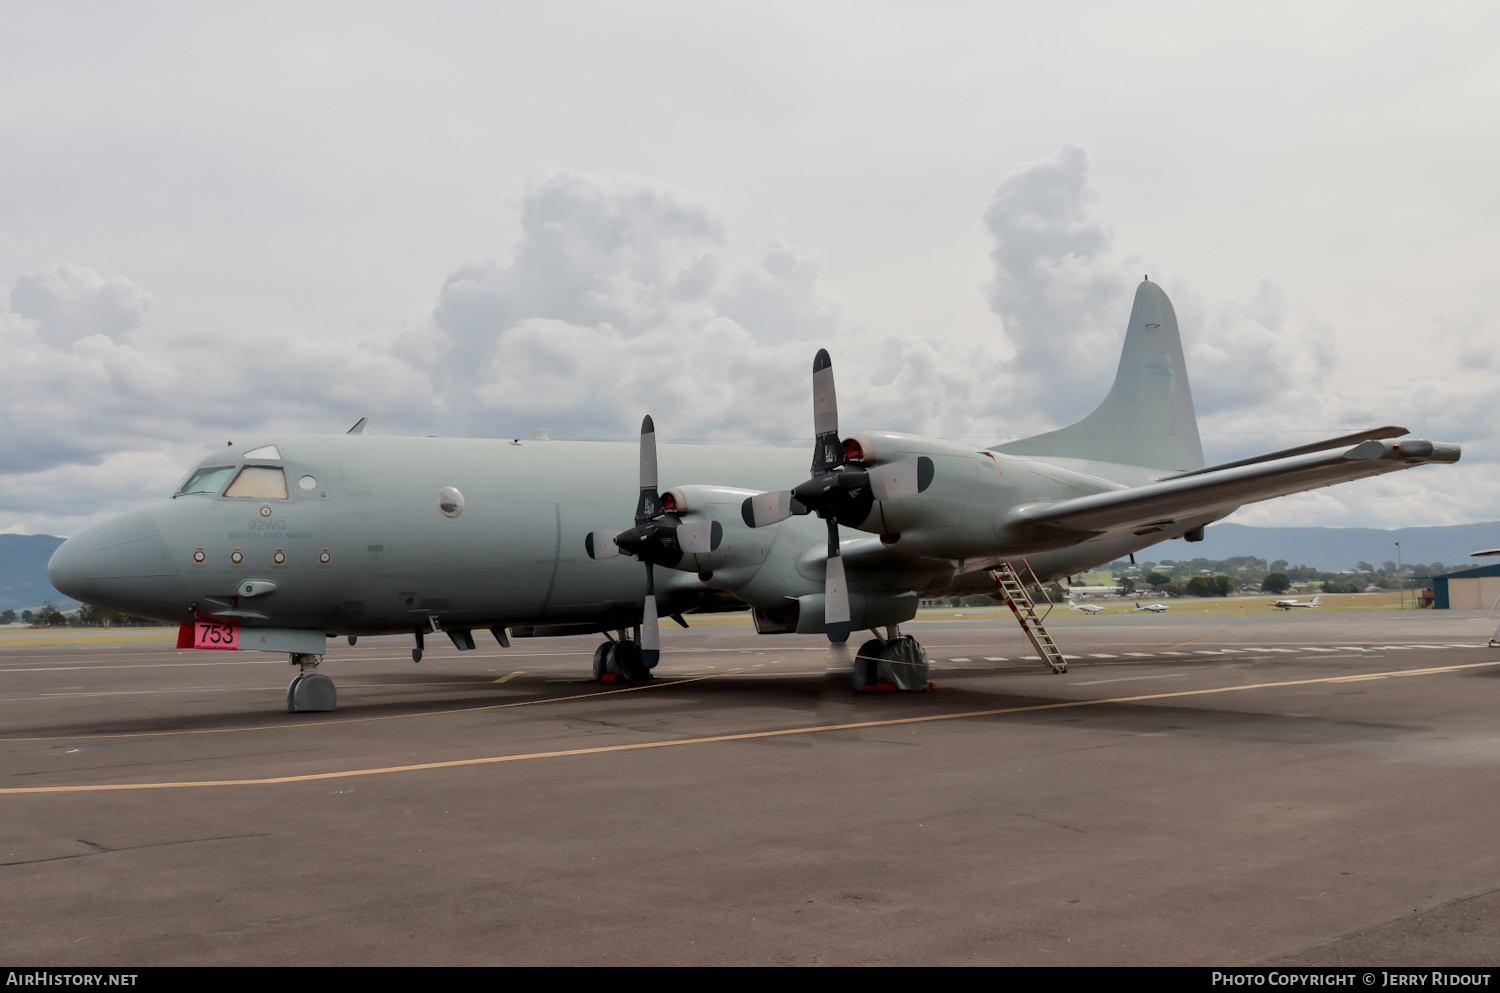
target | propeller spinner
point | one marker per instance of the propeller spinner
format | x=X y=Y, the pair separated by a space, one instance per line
x=837 y=491
x=658 y=538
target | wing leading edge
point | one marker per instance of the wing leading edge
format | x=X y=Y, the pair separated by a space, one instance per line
x=1143 y=509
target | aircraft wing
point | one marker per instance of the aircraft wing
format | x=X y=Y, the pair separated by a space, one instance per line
x=1144 y=509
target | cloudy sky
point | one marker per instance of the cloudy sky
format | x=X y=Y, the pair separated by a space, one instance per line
x=218 y=222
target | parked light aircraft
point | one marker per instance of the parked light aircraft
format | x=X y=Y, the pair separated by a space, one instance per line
x=1155 y=608
x=284 y=542
x=1295 y=604
x=1087 y=608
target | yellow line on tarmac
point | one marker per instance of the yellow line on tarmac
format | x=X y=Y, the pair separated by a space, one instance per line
x=743 y=736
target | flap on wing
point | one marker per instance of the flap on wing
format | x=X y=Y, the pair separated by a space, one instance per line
x=1143 y=509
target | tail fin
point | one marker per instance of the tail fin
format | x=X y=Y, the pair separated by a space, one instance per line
x=1315 y=600
x=1147 y=418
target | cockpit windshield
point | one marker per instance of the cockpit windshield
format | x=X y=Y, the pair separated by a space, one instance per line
x=207 y=480
x=261 y=482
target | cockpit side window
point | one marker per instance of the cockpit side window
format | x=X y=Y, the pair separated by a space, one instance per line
x=260 y=482
x=207 y=480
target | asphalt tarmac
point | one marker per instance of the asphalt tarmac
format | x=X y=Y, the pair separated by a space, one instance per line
x=1313 y=787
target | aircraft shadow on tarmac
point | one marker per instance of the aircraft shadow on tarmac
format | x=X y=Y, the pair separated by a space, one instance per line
x=792 y=699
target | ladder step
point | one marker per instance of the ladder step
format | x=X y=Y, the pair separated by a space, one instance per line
x=1020 y=602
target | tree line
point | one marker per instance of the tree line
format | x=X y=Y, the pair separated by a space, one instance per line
x=1246 y=573
x=49 y=616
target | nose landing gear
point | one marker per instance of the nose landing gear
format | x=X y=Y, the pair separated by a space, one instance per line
x=310 y=691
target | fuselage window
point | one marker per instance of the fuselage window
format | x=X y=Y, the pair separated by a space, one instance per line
x=260 y=482
x=207 y=480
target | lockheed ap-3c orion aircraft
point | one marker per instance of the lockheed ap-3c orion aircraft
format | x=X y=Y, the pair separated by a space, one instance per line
x=285 y=542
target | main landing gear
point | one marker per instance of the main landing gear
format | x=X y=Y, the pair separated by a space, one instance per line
x=895 y=662
x=619 y=660
x=310 y=690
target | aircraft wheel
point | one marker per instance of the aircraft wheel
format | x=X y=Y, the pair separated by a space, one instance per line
x=601 y=659
x=867 y=664
x=311 y=692
x=625 y=661
x=900 y=664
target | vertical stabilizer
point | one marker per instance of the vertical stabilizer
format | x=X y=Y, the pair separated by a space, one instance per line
x=1147 y=418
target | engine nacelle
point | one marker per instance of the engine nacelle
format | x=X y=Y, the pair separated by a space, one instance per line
x=741 y=548
x=956 y=472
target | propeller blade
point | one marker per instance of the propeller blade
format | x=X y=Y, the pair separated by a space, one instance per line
x=601 y=544
x=901 y=479
x=649 y=507
x=836 y=602
x=650 y=630
x=699 y=537
x=828 y=451
x=768 y=508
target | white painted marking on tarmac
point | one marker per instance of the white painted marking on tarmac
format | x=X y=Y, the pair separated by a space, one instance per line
x=1130 y=679
x=1317 y=649
x=1397 y=648
x=1140 y=655
x=511 y=675
x=1102 y=656
x=1207 y=651
x=996 y=658
x=1175 y=653
x=960 y=660
x=1291 y=650
x=1429 y=646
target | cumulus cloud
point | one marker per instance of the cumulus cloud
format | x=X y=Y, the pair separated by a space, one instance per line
x=594 y=251
x=1058 y=286
x=69 y=302
x=617 y=300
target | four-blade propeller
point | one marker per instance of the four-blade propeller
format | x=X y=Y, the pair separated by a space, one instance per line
x=837 y=491
x=659 y=538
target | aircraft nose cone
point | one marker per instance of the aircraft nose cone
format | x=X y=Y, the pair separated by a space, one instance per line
x=122 y=564
x=67 y=570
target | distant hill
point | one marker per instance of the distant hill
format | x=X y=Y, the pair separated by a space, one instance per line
x=1332 y=549
x=23 y=572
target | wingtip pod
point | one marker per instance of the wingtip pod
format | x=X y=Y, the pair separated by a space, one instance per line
x=1406 y=450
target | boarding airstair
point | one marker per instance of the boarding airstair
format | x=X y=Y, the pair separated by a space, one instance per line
x=1008 y=582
